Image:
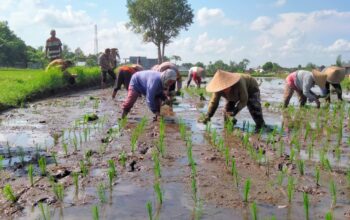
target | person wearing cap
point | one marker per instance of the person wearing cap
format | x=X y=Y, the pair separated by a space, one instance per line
x=239 y=90
x=334 y=77
x=124 y=77
x=195 y=73
x=53 y=48
x=301 y=82
x=151 y=84
x=63 y=65
x=168 y=65
x=104 y=62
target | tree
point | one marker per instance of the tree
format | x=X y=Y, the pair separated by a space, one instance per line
x=159 y=21
x=200 y=64
x=79 y=54
x=187 y=65
x=339 y=62
x=267 y=66
x=67 y=53
x=310 y=66
x=12 y=48
x=175 y=58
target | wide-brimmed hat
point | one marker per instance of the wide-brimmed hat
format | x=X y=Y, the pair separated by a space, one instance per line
x=320 y=78
x=335 y=74
x=222 y=80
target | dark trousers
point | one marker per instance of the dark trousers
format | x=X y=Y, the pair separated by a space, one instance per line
x=337 y=88
x=123 y=78
x=104 y=75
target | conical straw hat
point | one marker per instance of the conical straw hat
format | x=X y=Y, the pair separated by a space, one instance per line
x=335 y=74
x=137 y=67
x=222 y=80
x=320 y=78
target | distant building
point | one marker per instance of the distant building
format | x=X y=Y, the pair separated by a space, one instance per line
x=347 y=68
x=147 y=63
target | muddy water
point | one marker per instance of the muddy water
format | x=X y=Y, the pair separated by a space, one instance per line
x=39 y=124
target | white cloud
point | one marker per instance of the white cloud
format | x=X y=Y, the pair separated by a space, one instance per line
x=207 y=16
x=339 y=46
x=261 y=23
x=205 y=45
x=280 y=3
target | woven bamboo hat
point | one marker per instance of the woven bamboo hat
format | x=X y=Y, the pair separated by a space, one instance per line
x=320 y=78
x=222 y=80
x=335 y=74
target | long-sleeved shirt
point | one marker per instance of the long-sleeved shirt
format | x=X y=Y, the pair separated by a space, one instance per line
x=149 y=84
x=104 y=62
x=304 y=81
x=238 y=94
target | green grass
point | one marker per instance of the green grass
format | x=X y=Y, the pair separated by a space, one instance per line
x=20 y=85
x=346 y=83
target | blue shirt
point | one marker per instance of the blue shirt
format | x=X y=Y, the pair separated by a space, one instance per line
x=149 y=84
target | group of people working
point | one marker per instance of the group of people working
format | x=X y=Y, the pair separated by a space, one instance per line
x=239 y=90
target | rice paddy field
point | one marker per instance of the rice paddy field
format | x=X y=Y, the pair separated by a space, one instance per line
x=71 y=157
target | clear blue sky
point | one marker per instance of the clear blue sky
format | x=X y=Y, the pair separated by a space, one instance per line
x=289 y=32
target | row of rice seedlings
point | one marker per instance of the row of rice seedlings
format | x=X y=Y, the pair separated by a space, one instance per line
x=122 y=158
x=156 y=166
x=101 y=192
x=246 y=190
x=333 y=192
x=112 y=172
x=137 y=132
x=83 y=168
x=75 y=177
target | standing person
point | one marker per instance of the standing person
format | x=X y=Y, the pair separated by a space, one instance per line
x=53 y=48
x=105 y=64
x=168 y=65
x=151 y=84
x=239 y=90
x=334 y=77
x=124 y=77
x=302 y=81
x=195 y=73
x=113 y=58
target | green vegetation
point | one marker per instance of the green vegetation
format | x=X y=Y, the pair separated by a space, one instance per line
x=95 y=213
x=58 y=190
x=306 y=205
x=30 y=174
x=254 y=211
x=9 y=194
x=45 y=212
x=1 y=162
x=246 y=190
x=149 y=210
x=18 y=86
x=42 y=166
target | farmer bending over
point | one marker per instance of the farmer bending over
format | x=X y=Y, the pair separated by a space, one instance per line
x=168 y=65
x=63 y=65
x=150 y=84
x=302 y=81
x=195 y=73
x=334 y=77
x=124 y=77
x=105 y=64
x=239 y=90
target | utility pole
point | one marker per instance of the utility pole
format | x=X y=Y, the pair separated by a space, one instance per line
x=96 y=43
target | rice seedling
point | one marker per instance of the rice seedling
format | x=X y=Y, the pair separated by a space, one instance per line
x=149 y=210
x=337 y=152
x=317 y=175
x=42 y=166
x=310 y=151
x=96 y=104
x=85 y=133
x=229 y=126
x=161 y=145
x=208 y=128
x=182 y=128
x=133 y=141
x=101 y=192
x=254 y=211
x=246 y=190
x=281 y=149
x=329 y=216
x=281 y=175
x=1 y=162
x=95 y=213
x=122 y=123
x=30 y=174
x=45 y=212
x=54 y=158
x=348 y=177
x=111 y=176
x=290 y=188
x=65 y=149
x=333 y=192
x=292 y=155
x=87 y=156
x=234 y=171
x=21 y=155
x=9 y=194
x=122 y=158
x=75 y=143
x=158 y=192
x=111 y=165
x=306 y=205
x=83 y=169
x=213 y=137
x=246 y=139
x=301 y=167
x=327 y=165
x=75 y=176
x=157 y=169
x=58 y=190
x=194 y=185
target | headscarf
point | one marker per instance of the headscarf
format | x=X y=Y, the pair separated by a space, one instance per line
x=167 y=75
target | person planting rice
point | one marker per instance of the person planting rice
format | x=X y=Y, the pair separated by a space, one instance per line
x=124 y=77
x=301 y=82
x=105 y=64
x=239 y=90
x=152 y=85
x=168 y=65
x=195 y=73
x=334 y=77
x=63 y=65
